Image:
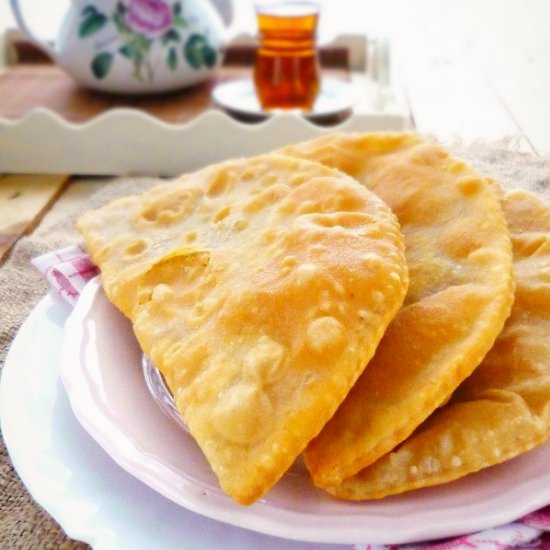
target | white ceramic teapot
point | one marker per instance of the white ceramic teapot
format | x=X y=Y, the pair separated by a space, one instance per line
x=138 y=46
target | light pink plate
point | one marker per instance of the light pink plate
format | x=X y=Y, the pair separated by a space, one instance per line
x=101 y=371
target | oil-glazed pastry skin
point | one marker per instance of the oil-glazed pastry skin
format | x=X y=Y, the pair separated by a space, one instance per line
x=503 y=408
x=460 y=293
x=260 y=288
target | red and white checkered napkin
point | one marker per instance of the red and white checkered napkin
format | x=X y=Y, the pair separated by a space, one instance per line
x=69 y=269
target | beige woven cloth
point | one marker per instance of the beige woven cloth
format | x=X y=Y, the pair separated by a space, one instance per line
x=23 y=524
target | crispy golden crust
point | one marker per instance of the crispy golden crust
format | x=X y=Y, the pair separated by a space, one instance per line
x=461 y=289
x=260 y=288
x=503 y=409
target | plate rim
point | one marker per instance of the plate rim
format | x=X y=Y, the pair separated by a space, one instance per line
x=31 y=480
x=284 y=524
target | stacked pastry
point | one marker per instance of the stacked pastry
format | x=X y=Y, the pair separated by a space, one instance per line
x=365 y=299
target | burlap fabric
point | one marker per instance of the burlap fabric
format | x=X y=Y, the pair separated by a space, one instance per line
x=22 y=522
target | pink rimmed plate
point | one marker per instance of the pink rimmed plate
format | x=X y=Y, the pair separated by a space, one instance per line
x=102 y=373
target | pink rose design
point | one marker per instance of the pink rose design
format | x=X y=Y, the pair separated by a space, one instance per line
x=149 y=17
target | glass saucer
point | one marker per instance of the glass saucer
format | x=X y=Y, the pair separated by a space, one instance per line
x=238 y=97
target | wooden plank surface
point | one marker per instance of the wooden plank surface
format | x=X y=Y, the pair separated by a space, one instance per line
x=23 y=201
x=508 y=43
x=449 y=96
x=27 y=86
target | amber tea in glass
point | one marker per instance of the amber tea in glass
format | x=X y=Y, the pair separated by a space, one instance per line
x=286 y=74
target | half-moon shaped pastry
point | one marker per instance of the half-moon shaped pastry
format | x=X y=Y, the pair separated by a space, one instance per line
x=460 y=293
x=260 y=288
x=503 y=408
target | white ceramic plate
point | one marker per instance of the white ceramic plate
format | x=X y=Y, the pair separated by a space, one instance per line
x=74 y=480
x=101 y=370
x=336 y=97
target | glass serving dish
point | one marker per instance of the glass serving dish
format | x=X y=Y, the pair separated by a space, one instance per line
x=159 y=391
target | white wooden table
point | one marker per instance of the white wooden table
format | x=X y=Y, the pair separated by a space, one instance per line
x=478 y=69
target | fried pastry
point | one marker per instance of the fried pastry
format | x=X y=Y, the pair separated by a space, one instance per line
x=460 y=293
x=260 y=288
x=503 y=408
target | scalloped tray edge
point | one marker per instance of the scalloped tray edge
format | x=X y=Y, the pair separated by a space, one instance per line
x=131 y=142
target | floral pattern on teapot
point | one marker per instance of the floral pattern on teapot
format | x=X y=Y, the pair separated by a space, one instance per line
x=140 y=23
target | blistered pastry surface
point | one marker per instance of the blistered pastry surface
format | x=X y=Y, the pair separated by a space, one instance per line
x=460 y=292
x=503 y=408
x=260 y=288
